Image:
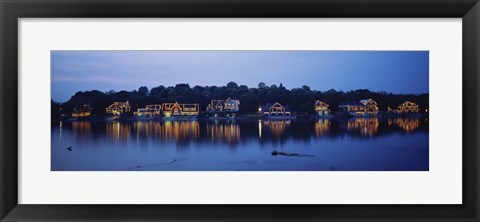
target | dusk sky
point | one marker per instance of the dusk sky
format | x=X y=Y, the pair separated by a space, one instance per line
x=390 y=71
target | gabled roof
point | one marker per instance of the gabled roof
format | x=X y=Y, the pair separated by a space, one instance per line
x=176 y=105
x=119 y=104
x=170 y=106
x=366 y=101
x=234 y=101
x=218 y=103
x=406 y=103
x=318 y=102
x=267 y=107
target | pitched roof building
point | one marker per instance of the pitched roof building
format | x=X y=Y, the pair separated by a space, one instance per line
x=117 y=108
x=408 y=107
x=149 y=110
x=370 y=106
x=84 y=111
x=180 y=109
x=363 y=107
x=228 y=105
x=321 y=108
x=276 y=109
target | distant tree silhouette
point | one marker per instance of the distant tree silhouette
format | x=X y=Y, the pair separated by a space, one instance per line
x=300 y=100
x=143 y=91
x=232 y=85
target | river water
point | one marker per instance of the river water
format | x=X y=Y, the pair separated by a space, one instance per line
x=359 y=144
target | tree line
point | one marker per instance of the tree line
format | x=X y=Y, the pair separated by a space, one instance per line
x=300 y=100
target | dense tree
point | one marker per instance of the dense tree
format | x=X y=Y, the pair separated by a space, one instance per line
x=300 y=100
x=159 y=91
x=55 y=110
x=249 y=103
x=232 y=85
x=143 y=91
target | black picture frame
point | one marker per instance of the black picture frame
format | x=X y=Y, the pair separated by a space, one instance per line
x=12 y=10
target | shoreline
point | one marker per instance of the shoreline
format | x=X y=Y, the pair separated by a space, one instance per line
x=243 y=117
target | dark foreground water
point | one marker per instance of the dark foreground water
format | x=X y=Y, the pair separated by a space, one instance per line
x=369 y=144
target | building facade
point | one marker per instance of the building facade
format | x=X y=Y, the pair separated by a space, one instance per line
x=370 y=105
x=84 y=111
x=364 y=107
x=152 y=110
x=321 y=108
x=118 y=108
x=228 y=107
x=408 y=107
x=276 y=109
x=179 y=109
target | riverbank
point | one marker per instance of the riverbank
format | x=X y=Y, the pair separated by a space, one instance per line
x=242 y=117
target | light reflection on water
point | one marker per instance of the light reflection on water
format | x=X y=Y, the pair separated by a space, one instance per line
x=333 y=142
x=322 y=127
x=229 y=132
x=277 y=128
x=366 y=126
x=407 y=124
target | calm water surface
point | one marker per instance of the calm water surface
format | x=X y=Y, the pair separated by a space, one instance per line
x=363 y=144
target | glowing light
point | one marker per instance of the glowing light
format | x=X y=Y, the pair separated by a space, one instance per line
x=177 y=109
x=259 y=129
x=407 y=107
x=366 y=126
x=84 y=111
x=277 y=127
x=321 y=108
x=60 y=130
x=322 y=126
x=117 y=108
x=407 y=124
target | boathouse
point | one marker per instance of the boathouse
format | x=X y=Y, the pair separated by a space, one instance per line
x=84 y=111
x=362 y=108
x=321 y=108
x=179 y=109
x=370 y=105
x=408 y=107
x=276 y=109
x=118 y=108
x=149 y=111
x=228 y=107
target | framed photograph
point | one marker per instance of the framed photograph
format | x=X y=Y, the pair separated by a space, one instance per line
x=226 y=110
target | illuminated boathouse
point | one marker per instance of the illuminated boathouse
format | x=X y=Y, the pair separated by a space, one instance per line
x=408 y=107
x=276 y=110
x=321 y=108
x=153 y=110
x=223 y=108
x=118 y=108
x=179 y=109
x=84 y=111
x=365 y=107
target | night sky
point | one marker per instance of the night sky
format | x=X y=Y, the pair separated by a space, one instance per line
x=390 y=71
